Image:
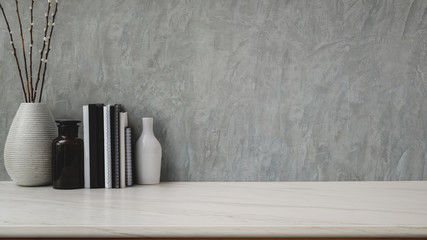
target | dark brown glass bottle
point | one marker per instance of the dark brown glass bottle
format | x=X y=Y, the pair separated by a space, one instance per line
x=67 y=156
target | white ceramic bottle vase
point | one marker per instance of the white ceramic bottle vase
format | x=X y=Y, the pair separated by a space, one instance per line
x=148 y=155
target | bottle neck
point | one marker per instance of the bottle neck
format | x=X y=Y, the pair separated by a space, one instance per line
x=68 y=132
x=147 y=124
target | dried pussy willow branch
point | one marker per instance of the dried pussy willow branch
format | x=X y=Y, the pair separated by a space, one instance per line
x=31 y=49
x=42 y=50
x=23 y=49
x=48 y=48
x=14 y=53
x=30 y=93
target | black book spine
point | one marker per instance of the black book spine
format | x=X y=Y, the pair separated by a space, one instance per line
x=100 y=145
x=93 y=146
x=116 y=157
x=113 y=150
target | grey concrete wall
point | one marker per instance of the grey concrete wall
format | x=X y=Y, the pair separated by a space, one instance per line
x=247 y=90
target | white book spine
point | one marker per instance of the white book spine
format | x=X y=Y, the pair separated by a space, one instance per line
x=123 y=125
x=86 y=146
x=107 y=147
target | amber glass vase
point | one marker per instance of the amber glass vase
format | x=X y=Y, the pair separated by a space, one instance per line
x=67 y=156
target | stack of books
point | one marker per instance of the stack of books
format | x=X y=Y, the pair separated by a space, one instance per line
x=107 y=147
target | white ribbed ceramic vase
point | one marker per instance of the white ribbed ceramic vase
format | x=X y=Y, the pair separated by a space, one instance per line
x=28 y=151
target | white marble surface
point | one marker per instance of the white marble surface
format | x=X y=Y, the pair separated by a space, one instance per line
x=206 y=209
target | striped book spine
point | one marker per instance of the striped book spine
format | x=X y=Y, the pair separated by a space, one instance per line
x=116 y=144
x=107 y=147
x=128 y=137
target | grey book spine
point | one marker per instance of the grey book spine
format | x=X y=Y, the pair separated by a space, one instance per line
x=86 y=143
x=128 y=137
x=123 y=126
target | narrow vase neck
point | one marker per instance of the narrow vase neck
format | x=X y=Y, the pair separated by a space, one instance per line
x=147 y=124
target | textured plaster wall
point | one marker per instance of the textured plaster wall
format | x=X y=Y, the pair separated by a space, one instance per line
x=246 y=90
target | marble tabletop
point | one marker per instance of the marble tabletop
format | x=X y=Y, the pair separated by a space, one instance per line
x=218 y=209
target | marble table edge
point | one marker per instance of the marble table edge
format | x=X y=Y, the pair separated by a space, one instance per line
x=233 y=231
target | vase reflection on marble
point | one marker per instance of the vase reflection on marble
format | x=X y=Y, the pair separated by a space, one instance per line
x=148 y=155
x=27 y=152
